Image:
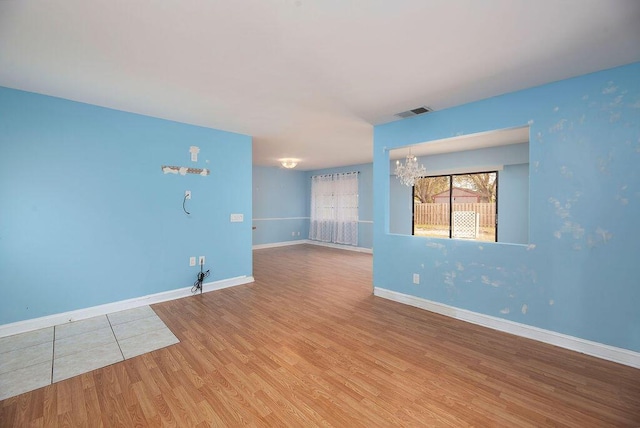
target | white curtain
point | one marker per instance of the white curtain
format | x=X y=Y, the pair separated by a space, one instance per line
x=334 y=208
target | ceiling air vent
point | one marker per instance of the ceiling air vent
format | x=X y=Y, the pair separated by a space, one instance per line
x=414 y=112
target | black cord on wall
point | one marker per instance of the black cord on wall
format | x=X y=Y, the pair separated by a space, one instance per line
x=183 y=207
x=201 y=276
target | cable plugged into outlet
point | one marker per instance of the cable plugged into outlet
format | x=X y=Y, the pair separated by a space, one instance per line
x=200 y=278
x=201 y=260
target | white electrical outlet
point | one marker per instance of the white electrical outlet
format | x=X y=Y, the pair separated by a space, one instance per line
x=201 y=260
x=416 y=278
x=236 y=218
x=187 y=194
x=192 y=261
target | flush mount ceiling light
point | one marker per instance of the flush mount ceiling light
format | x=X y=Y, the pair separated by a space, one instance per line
x=288 y=163
x=410 y=171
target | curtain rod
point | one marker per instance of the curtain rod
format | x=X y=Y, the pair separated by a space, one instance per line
x=336 y=173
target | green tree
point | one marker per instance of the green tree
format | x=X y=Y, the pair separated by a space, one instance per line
x=483 y=183
x=426 y=187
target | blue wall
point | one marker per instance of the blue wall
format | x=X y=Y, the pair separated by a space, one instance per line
x=280 y=210
x=282 y=200
x=88 y=217
x=365 y=198
x=578 y=276
x=513 y=187
x=513 y=204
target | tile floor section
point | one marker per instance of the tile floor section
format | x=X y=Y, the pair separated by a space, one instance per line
x=38 y=358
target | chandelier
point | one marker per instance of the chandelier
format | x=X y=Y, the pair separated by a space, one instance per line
x=410 y=171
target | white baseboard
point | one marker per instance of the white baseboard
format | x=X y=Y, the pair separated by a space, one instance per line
x=341 y=247
x=94 y=311
x=595 y=349
x=309 y=241
x=280 y=244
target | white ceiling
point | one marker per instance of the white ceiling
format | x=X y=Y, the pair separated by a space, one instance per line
x=481 y=140
x=306 y=78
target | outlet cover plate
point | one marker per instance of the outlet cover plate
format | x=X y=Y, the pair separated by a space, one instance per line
x=237 y=218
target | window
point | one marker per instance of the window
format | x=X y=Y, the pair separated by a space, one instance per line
x=334 y=208
x=505 y=151
x=461 y=206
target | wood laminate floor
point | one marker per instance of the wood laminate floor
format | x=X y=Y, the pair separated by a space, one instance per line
x=308 y=344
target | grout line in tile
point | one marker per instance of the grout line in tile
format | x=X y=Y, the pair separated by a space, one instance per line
x=147 y=332
x=53 y=354
x=152 y=314
x=116 y=338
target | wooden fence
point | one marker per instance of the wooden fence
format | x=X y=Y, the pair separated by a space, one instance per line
x=438 y=214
